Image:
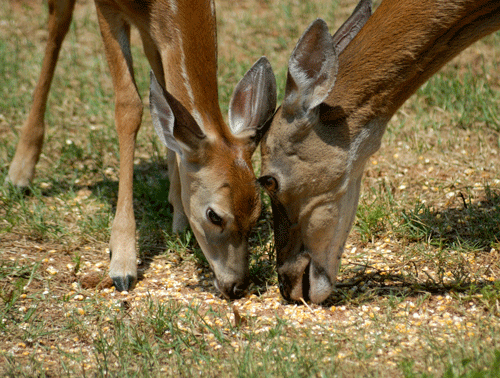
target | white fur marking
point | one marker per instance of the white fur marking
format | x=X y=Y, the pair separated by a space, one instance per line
x=366 y=143
x=320 y=287
x=241 y=163
x=212 y=8
x=194 y=112
x=173 y=7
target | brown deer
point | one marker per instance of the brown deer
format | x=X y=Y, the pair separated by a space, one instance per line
x=212 y=184
x=340 y=94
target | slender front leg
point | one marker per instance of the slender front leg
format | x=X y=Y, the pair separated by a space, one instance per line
x=22 y=168
x=128 y=114
x=180 y=221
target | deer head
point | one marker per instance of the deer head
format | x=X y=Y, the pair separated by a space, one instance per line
x=321 y=137
x=219 y=191
x=312 y=167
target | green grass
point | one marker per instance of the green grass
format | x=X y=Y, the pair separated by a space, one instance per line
x=418 y=291
x=469 y=98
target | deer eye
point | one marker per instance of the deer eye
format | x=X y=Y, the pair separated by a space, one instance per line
x=214 y=217
x=269 y=183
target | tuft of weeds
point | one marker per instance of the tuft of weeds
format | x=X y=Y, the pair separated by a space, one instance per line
x=469 y=97
x=374 y=213
x=472 y=226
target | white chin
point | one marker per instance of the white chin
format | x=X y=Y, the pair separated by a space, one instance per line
x=320 y=288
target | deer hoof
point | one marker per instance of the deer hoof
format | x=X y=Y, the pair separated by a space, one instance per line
x=124 y=283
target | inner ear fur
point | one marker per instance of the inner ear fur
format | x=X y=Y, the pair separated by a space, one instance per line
x=313 y=65
x=253 y=103
x=312 y=70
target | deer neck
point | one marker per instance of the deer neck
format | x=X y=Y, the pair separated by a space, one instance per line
x=401 y=46
x=195 y=85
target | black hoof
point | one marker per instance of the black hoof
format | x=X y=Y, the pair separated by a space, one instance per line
x=124 y=283
x=24 y=191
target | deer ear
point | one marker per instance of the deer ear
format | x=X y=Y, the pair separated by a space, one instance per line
x=253 y=102
x=352 y=26
x=312 y=70
x=175 y=127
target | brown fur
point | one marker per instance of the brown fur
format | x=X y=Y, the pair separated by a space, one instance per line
x=366 y=89
x=180 y=42
x=317 y=155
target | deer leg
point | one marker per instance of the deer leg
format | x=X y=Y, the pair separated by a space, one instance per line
x=180 y=221
x=128 y=114
x=22 y=168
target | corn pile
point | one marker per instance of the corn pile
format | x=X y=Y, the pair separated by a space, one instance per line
x=358 y=309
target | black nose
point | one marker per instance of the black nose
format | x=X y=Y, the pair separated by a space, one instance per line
x=285 y=286
x=238 y=290
x=233 y=290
